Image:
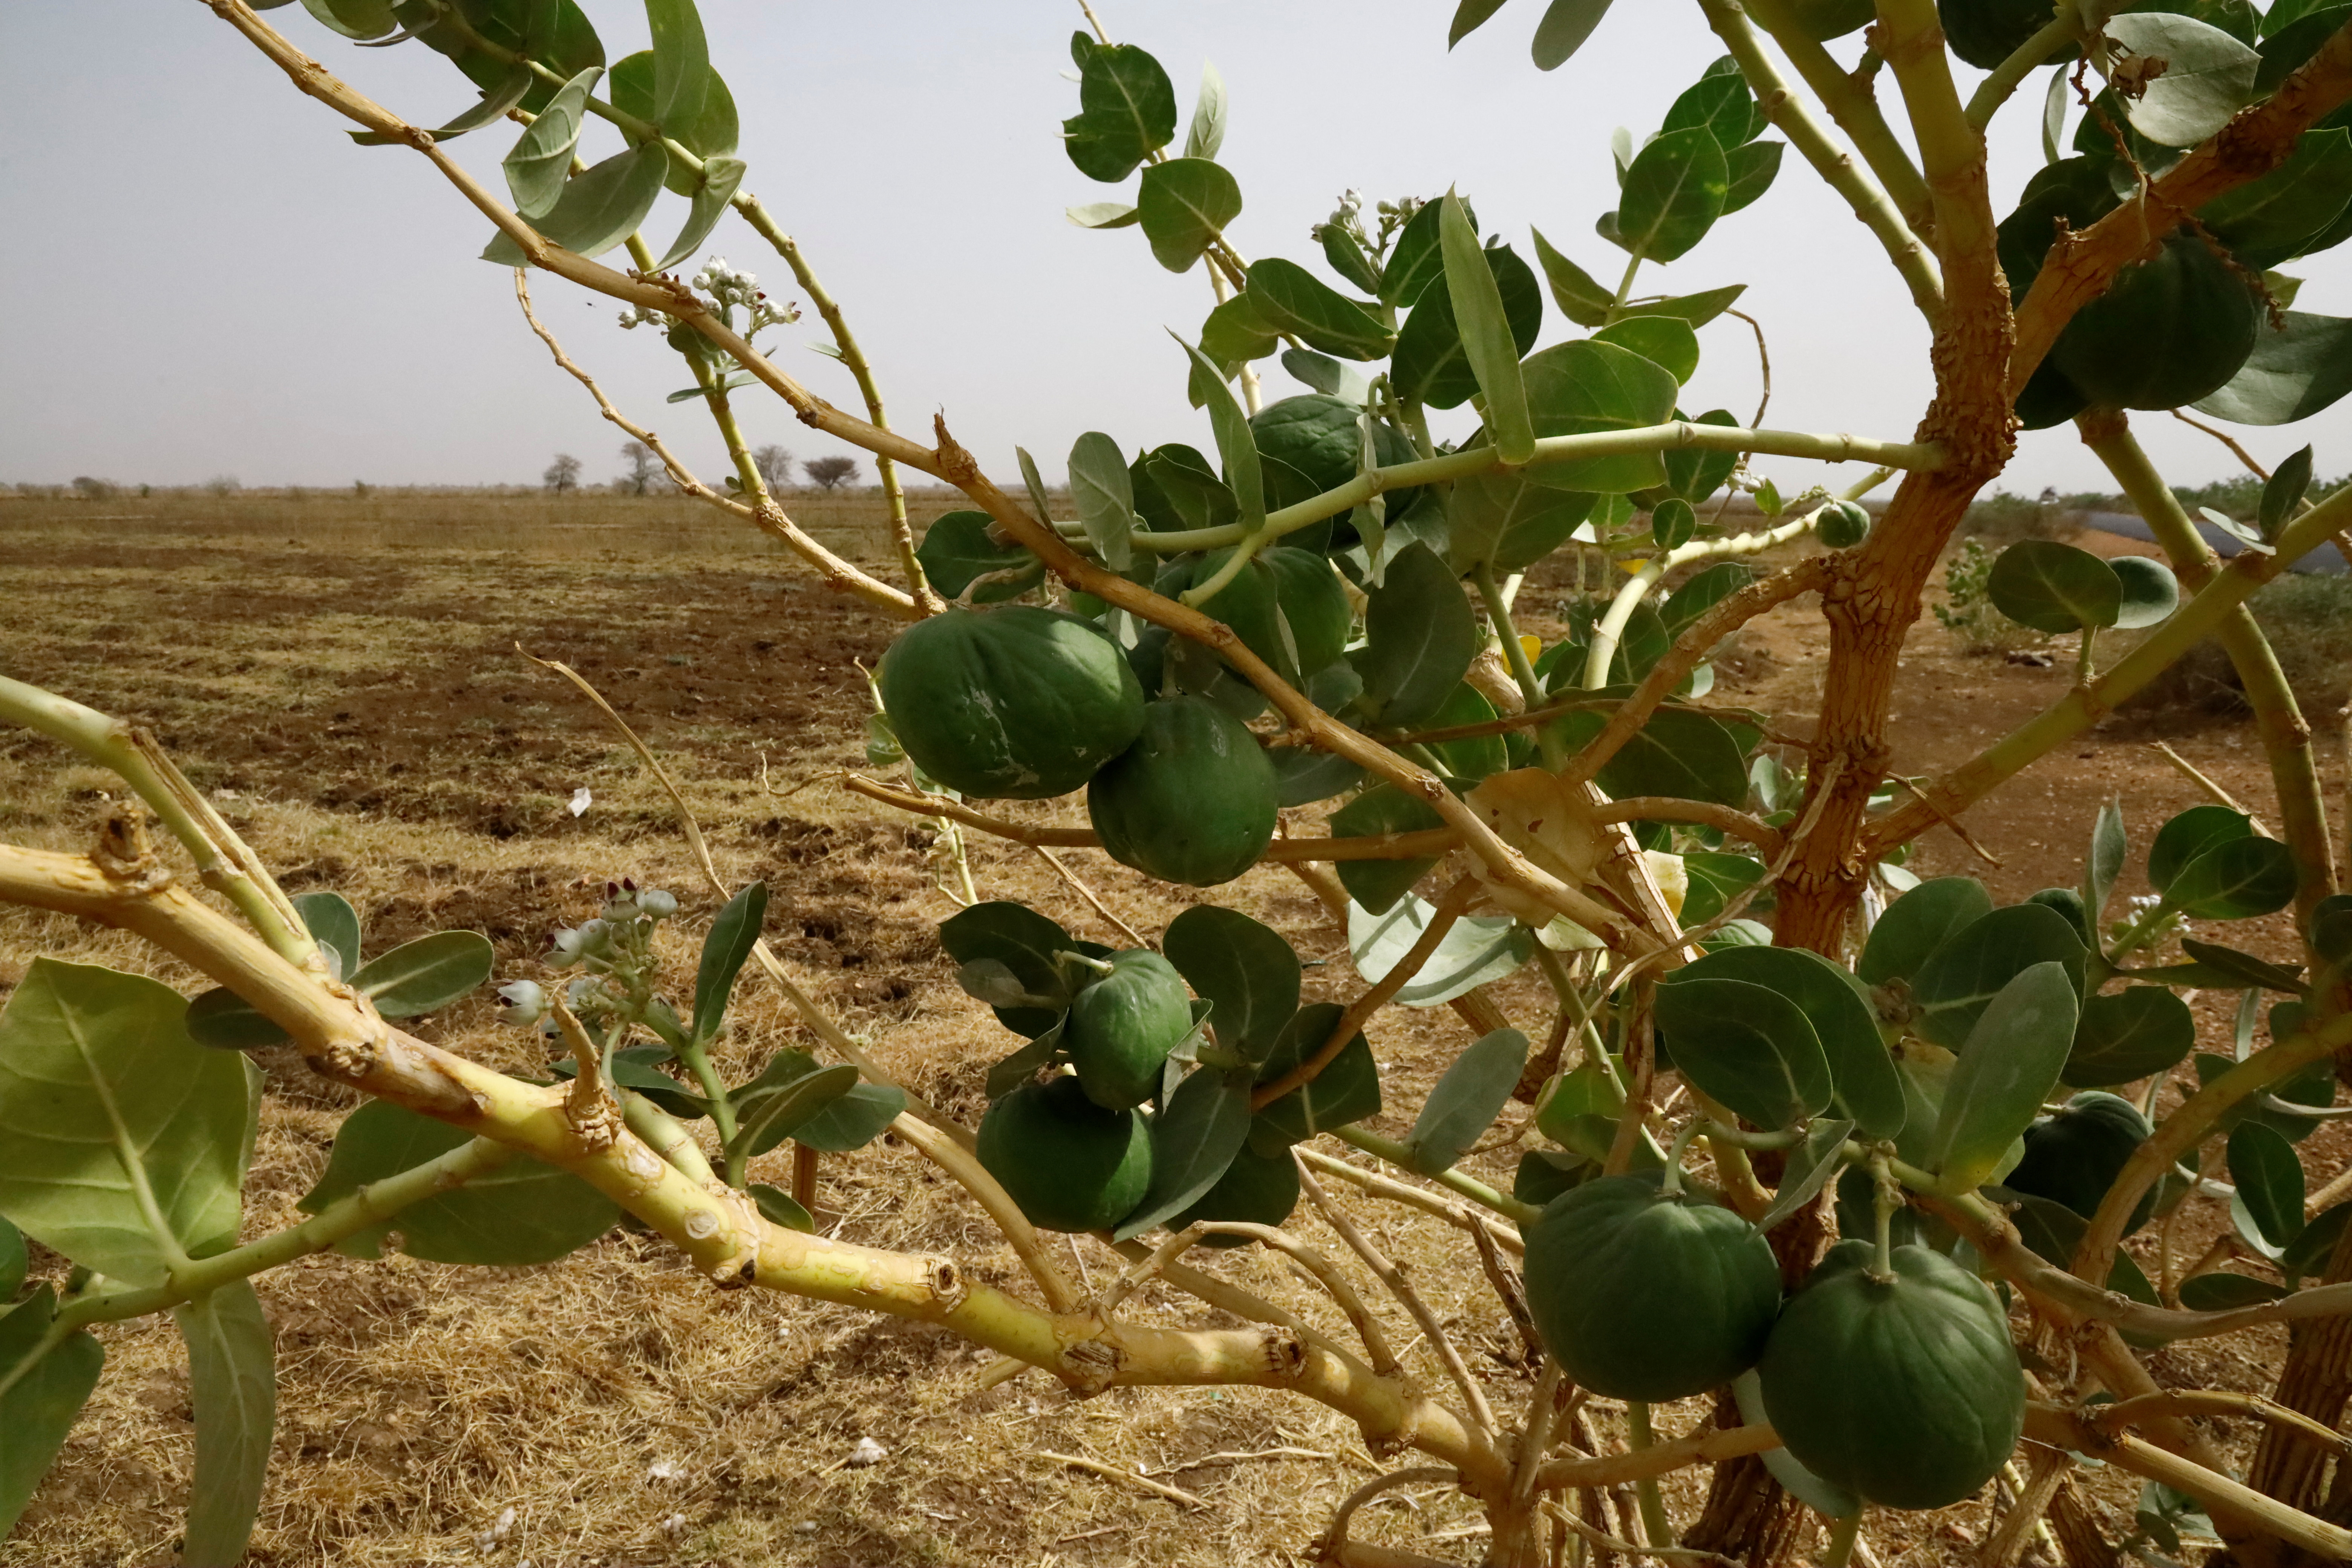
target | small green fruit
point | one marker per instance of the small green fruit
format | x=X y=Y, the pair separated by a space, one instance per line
x=1122 y=1026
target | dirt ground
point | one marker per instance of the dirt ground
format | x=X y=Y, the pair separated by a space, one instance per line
x=343 y=674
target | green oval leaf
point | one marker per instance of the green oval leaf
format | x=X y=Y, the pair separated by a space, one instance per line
x=1025 y=942
x=1431 y=364
x=432 y=972
x=1488 y=340
x=233 y=1392
x=42 y=1398
x=1919 y=922
x=1674 y=189
x=523 y=1211
x=2208 y=76
x=225 y=1021
x=599 y=208
x=1104 y=497
x=1747 y=1047
x=1666 y=342
x=1292 y=300
x=957 y=552
x=733 y=935
x=1566 y=24
x=122 y=1143
x=2268 y=1174
x=1376 y=885
x=2127 y=1035
x=1347 y=1091
x=1467 y=1099
x=1960 y=982
x=1479 y=949
x=1194 y=1141
x=2006 y=1068
x=1867 y=1090
x=2150 y=591
x=1579 y=388
x=771 y=1115
x=1247 y=971
x=1419 y=640
x=1184 y=203
x=334 y=925
x=854 y=1121
x=2235 y=880
x=2295 y=371
x=541 y=160
x=2190 y=833
x=2054 y=587
x=1127 y=111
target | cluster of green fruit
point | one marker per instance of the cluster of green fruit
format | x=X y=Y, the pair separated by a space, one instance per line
x=1024 y=704
x=1127 y=1108
x=1900 y=1386
x=1076 y=1151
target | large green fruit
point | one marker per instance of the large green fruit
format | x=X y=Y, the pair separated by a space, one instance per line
x=1985 y=32
x=1018 y=703
x=1255 y=1189
x=1122 y=1026
x=1069 y=1163
x=1641 y=1295
x=1193 y=801
x=1906 y=1391
x=2168 y=331
x=2074 y=1157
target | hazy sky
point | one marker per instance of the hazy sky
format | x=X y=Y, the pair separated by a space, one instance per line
x=206 y=277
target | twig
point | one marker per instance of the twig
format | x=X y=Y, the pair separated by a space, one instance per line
x=1450 y=907
x=1949 y=820
x=1134 y=937
x=2227 y=440
x=2213 y=791
x=1107 y=1300
x=1331 y=1546
x=1368 y=1327
x=769 y=516
x=1228 y=1457
x=949 y=1155
x=1508 y=1289
x=2171 y=1402
x=1608 y=1542
x=1158 y=1489
x=816 y=1017
x=1428 y=1203
x=1393 y=1277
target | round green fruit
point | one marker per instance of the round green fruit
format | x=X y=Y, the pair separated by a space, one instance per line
x=1122 y=1026
x=2168 y=331
x=1905 y=1390
x=1642 y=1295
x=1017 y=704
x=2074 y=1157
x=1254 y=1190
x=1985 y=32
x=1066 y=1161
x=1193 y=801
x=1843 y=524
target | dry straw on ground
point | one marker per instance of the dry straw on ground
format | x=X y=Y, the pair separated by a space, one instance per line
x=339 y=673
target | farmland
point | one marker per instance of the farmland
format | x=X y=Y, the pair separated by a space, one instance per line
x=341 y=673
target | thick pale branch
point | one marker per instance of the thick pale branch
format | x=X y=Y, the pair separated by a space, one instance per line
x=2075 y=1431
x=720 y=1230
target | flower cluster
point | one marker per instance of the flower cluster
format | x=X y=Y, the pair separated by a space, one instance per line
x=614 y=950
x=731 y=289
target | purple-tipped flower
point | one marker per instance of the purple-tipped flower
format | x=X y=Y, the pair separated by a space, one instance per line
x=522 y=1001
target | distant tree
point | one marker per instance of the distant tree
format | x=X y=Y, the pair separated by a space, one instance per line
x=223 y=485
x=830 y=473
x=775 y=466
x=645 y=474
x=90 y=489
x=563 y=476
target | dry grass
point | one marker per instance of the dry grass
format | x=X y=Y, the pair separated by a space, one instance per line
x=341 y=673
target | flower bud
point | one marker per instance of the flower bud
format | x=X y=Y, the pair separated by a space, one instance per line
x=657 y=904
x=522 y=1001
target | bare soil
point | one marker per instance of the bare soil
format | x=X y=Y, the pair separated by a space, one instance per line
x=344 y=676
